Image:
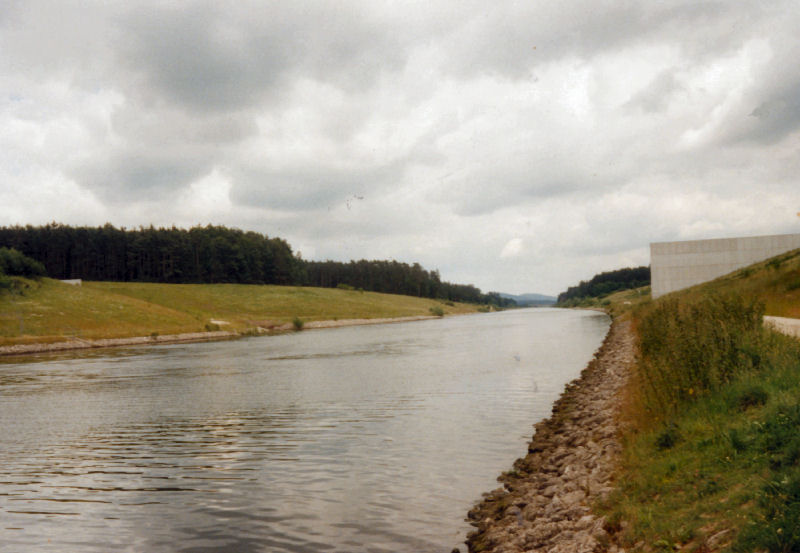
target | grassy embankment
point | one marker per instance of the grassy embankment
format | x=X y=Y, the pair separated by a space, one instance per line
x=49 y=311
x=712 y=458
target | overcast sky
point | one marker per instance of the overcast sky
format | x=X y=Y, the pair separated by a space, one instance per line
x=517 y=146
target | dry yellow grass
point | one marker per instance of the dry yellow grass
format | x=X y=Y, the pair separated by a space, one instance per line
x=49 y=310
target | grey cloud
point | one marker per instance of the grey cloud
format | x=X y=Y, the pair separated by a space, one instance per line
x=127 y=177
x=656 y=96
x=776 y=117
x=185 y=57
x=158 y=152
x=771 y=107
x=512 y=40
x=178 y=131
x=529 y=178
x=212 y=57
x=312 y=187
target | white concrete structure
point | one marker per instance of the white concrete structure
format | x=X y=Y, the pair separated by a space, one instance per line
x=678 y=265
x=784 y=324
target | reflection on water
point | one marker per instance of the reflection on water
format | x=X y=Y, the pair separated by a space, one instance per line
x=355 y=439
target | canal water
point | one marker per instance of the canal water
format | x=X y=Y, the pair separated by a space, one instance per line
x=356 y=439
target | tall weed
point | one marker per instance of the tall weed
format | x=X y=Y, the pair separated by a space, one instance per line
x=688 y=349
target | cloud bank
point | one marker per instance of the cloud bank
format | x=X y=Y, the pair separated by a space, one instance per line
x=517 y=147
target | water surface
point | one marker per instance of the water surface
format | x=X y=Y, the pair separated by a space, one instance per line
x=373 y=439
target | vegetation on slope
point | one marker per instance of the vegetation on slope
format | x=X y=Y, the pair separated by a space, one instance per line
x=216 y=254
x=587 y=294
x=13 y=263
x=712 y=461
x=48 y=310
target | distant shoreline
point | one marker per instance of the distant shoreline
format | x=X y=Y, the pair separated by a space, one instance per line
x=71 y=344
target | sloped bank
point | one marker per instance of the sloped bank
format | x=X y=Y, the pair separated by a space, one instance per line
x=545 y=504
x=78 y=343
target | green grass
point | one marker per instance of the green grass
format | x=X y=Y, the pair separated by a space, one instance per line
x=711 y=460
x=48 y=310
x=722 y=461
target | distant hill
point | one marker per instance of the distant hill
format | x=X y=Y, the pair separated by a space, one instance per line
x=528 y=300
x=604 y=284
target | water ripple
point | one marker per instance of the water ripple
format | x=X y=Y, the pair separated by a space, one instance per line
x=354 y=440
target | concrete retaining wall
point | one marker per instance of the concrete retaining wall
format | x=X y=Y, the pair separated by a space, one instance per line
x=678 y=265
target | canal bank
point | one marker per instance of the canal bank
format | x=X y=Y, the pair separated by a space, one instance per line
x=75 y=343
x=545 y=502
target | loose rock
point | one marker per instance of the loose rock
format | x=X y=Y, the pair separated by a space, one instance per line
x=546 y=502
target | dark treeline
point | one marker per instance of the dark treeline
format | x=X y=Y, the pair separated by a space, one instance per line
x=214 y=254
x=606 y=283
x=201 y=254
x=395 y=278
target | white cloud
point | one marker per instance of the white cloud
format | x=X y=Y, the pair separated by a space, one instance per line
x=513 y=248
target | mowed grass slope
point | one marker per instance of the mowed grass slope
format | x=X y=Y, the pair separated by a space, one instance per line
x=48 y=310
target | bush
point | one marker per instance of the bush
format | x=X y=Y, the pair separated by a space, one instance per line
x=437 y=311
x=297 y=323
x=752 y=396
x=343 y=286
x=13 y=263
x=688 y=349
x=668 y=437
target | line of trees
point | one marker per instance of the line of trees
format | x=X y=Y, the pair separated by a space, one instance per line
x=605 y=283
x=395 y=278
x=201 y=254
x=216 y=254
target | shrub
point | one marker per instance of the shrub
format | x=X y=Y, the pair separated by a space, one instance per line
x=688 y=349
x=793 y=284
x=437 y=311
x=668 y=437
x=752 y=396
x=13 y=263
x=343 y=286
x=297 y=323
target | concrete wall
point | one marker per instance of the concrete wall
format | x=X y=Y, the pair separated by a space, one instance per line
x=678 y=265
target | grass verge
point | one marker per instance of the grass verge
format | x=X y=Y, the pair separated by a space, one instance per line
x=712 y=458
x=47 y=310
